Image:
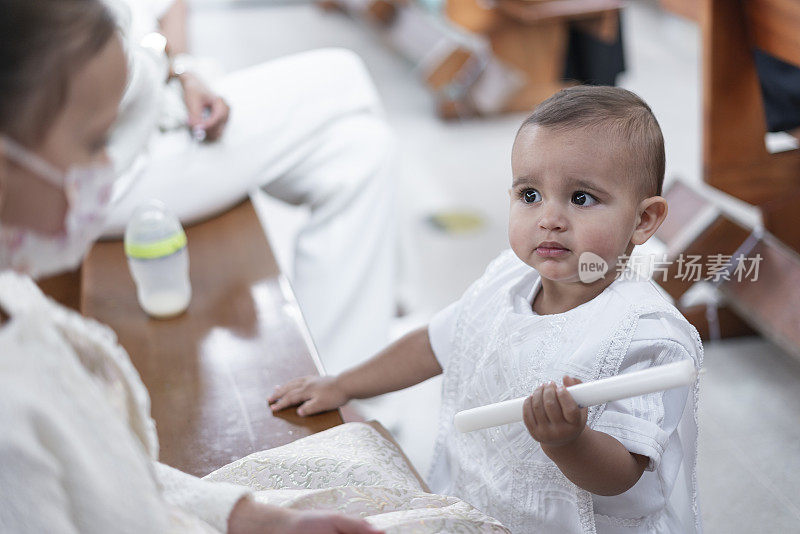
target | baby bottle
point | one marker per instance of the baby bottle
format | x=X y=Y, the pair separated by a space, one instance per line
x=155 y=244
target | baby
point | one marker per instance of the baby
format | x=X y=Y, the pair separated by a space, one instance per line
x=588 y=166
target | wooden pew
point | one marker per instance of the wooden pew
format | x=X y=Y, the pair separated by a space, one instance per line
x=764 y=303
x=695 y=226
x=485 y=59
x=770 y=305
x=735 y=158
x=209 y=371
x=531 y=36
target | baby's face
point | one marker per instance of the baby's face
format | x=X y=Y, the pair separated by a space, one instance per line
x=570 y=195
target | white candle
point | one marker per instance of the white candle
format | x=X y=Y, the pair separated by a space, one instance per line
x=622 y=386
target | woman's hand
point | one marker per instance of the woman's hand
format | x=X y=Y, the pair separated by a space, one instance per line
x=208 y=112
x=314 y=394
x=552 y=416
x=251 y=517
x=324 y=523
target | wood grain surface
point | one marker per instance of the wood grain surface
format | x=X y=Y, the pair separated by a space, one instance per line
x=209 y=371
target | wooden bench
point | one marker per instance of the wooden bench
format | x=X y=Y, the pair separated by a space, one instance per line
x=695 y=226
x=765 y=302
x=532 y=37
x=735 y=158
x=516 y=61
x=209 y=371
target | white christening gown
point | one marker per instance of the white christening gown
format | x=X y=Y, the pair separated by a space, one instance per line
x=493 y=347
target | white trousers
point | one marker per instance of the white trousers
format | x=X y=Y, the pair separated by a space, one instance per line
x=309 y=130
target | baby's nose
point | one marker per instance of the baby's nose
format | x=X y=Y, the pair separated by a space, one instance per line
x=552 y=218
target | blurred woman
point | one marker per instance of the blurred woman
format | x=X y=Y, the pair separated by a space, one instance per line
x=78 y=448
x=307 y=129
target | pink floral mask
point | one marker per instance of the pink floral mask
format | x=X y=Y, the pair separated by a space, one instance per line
x=88 y=191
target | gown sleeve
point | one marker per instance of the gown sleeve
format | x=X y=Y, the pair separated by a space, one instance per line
x=33 y=496
x=441 y=330
x=645 y=424
x=210 y=501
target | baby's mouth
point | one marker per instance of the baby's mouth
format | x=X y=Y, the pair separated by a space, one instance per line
x=551 y=249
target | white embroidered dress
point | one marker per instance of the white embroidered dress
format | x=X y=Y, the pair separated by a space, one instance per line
x=78 y=447
x=493 y=347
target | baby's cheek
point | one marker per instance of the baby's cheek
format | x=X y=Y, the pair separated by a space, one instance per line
x=519 y=236
x=604 y=244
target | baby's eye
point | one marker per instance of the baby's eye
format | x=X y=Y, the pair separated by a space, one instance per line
x=530 y=196
x=582 y=198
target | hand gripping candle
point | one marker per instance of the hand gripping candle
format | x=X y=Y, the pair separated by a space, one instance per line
x=622 y=386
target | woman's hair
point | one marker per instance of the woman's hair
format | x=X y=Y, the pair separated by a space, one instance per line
x=44 y=42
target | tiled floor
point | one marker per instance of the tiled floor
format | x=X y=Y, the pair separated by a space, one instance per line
x=750 y=406
x=750 y=440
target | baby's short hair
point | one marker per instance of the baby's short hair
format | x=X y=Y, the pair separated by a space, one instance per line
x=613 y=109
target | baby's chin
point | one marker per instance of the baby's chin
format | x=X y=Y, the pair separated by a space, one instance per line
x=561 y=279
x=564 y=272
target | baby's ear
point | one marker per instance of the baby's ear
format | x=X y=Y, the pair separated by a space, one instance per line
x=651 y=213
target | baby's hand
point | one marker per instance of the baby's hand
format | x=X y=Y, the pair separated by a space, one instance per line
x=314 y=394
x=552 y=416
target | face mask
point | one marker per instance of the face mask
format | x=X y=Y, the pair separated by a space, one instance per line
x=88 y=190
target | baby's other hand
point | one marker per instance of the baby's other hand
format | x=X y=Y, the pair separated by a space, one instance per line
x=314 y=394
x=552 y=416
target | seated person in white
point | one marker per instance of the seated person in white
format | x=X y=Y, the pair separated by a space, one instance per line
x=78 y=449
x=308 y=129
x=588 y=167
